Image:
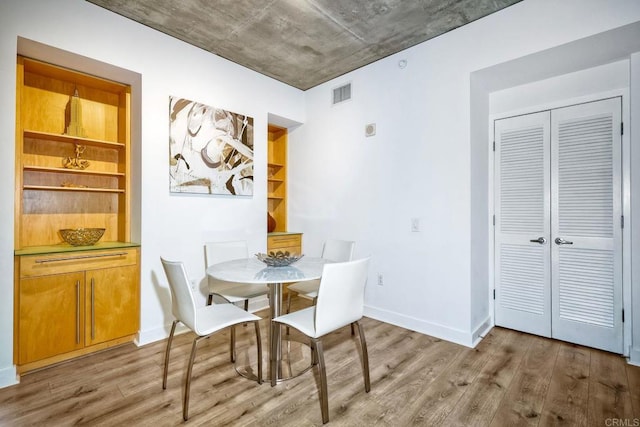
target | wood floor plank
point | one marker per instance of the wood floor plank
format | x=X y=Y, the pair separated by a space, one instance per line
x=435 y=403
x=524 y=399
x=393 y=396
x=479 y=403
x=633 y=377
x=415 y=380
x=567 y=399
x=609 y=396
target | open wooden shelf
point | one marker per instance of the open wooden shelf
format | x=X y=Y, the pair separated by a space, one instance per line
x=72 y=171
x=72 y=189
x=72 y=139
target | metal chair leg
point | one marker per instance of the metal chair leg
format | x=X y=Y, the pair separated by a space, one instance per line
x=273 y=362
x=246 y=305
x=166 y=354
x=324 y=398
x=210 y=299
x=187 y=384
x=232 y=344
x=259 y=350
x=288 y=301
x=365 y=358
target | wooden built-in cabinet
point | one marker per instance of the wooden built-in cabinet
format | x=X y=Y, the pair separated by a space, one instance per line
x=76 y=302
x=280 y=239
x=71 y=300
x=285 y=242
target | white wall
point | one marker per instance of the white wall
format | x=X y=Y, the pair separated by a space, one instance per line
x=429 y=159
x=172 y=226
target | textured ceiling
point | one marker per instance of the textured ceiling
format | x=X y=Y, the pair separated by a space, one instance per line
x=304 y=42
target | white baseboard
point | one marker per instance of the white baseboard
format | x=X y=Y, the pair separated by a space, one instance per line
x=634 y=356
x=158 y=334
x=8 y=376
x=457 y=336
x=482 y=330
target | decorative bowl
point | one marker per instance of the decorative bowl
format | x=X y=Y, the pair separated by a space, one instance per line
x=278 y=259
x=81 y=236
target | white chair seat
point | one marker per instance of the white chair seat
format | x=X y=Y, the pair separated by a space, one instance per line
x=302 y=320
x=305 y=289
x=209 y=320
x=216 y=252
x=237 y=292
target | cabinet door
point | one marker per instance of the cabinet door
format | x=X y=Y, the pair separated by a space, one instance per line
x=112 y=304
x=51 y=316
x=285 y=243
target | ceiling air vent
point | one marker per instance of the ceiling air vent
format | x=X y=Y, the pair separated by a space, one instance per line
x=342 y=93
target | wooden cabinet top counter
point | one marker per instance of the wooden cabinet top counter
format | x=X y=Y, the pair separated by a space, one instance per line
x=52 y=249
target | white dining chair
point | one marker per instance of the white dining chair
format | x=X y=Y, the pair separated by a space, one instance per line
x=340 y=302
x=332 y=250
x=203 y=321
x=217 y=252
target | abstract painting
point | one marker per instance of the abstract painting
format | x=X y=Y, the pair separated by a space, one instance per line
x=210 y=149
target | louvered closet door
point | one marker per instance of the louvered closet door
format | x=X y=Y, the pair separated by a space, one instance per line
x=522 y=230
x=586 y=252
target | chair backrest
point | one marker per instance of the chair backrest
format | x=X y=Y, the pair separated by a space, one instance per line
x=183 y=304
x=341 y=295
x=216 y=252
x=338 y=250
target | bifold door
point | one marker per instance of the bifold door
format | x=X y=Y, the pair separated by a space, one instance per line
x=558 y=238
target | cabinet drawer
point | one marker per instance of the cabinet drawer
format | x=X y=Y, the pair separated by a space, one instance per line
x=288 y=242
x=42 y=265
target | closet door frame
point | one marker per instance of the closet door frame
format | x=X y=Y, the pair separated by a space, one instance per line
x=626 y=198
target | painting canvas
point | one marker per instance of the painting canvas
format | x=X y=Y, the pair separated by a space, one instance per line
x=210 y=149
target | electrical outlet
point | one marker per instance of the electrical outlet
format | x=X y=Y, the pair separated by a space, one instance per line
x=380 y=281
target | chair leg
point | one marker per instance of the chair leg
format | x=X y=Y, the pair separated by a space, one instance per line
x=288 y=301
x=210 y=299
x=166 y=354
x=353 y=332
x=187 y=383
x=314 y=358
x=273 y=362
x=259 y=349
x=365 y=358
x=232 y=344
x=246 y=305
x=324 y=398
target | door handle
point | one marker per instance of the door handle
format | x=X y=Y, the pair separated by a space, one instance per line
x=561 y=241
x=540 y=240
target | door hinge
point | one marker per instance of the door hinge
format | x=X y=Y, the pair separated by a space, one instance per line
x=494 y=220
x=494 y=146
x=623 y=315
x=621 y=221
x=621 y=128
x=494 y=294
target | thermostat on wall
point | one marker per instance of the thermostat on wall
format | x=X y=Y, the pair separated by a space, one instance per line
x=370 y=129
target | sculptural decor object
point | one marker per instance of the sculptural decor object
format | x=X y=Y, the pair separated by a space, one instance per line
x=278 y=259
x=271 y=223
x=76 y=162
x=81 y=236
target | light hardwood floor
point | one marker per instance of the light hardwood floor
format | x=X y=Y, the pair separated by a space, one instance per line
x=509 y=379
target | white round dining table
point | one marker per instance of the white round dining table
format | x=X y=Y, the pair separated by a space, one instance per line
x=252 y=270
